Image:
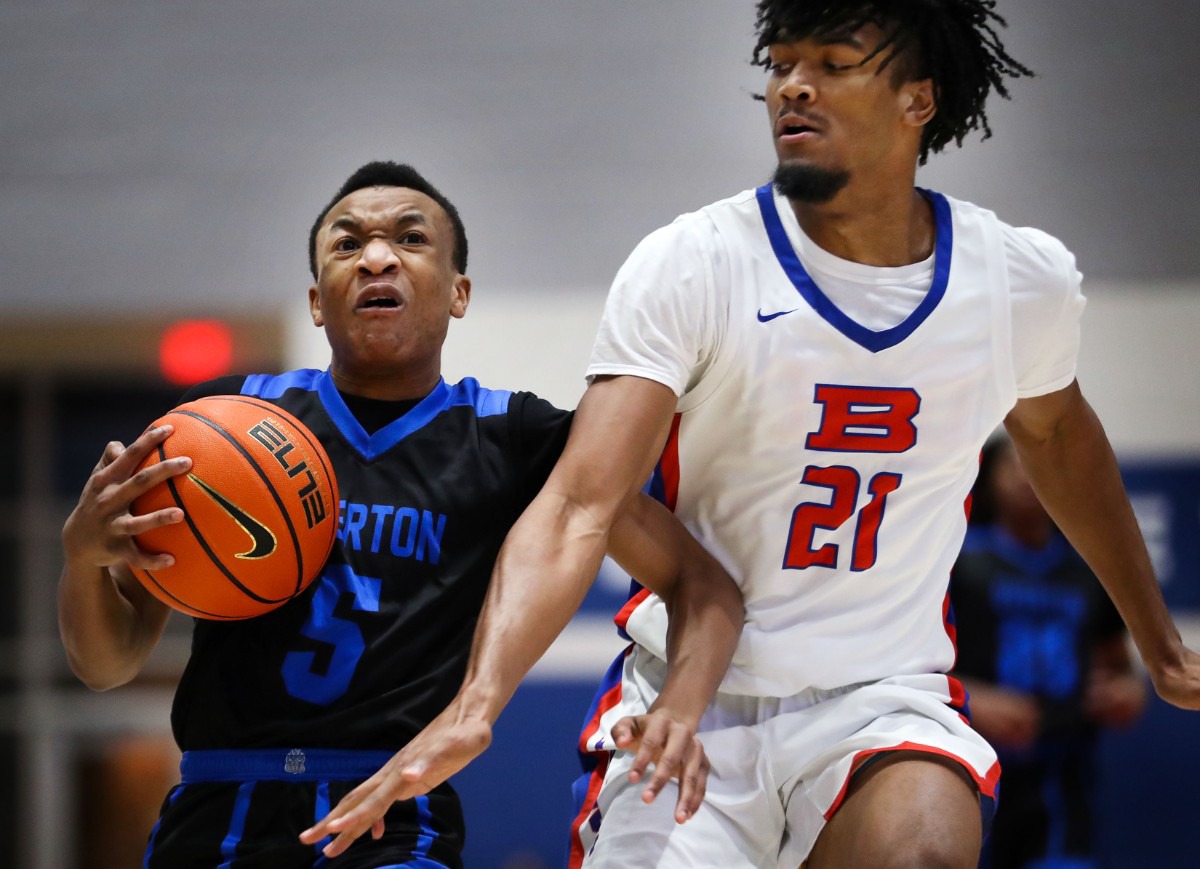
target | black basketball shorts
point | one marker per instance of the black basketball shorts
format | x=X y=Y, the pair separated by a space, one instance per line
x=246 y=809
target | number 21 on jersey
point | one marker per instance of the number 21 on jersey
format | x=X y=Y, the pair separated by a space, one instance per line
x=854 y=419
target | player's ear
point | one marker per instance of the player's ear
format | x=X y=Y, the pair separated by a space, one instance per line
x=919 y=105
x=314 y=306
x=461 y=296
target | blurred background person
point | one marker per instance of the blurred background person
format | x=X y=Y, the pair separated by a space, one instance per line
x=1045 y=659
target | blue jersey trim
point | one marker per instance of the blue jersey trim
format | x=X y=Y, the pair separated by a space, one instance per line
x=824 y=306
x=465 y=393
x=280 y=764
x=425 y=822
x=237 y=824
x=321 y=809
x=158 y=823
x=271 y=386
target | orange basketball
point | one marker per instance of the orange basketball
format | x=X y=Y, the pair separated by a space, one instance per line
x=260 y=509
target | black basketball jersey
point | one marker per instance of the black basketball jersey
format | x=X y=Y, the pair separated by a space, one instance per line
x=1029 y=620
x=377 y=646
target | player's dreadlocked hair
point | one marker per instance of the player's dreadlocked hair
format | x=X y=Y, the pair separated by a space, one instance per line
x=952 y=42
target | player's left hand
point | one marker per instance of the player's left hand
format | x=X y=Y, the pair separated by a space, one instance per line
x=443 y=748
x=671 y=744
x=1178 y=682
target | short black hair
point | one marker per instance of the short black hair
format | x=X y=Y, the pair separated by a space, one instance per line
x=385 y=173
x=952 y=42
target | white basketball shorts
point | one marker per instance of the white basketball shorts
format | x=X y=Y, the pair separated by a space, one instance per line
x=780 y=769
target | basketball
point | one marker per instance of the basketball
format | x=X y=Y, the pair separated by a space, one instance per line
x=260 y=509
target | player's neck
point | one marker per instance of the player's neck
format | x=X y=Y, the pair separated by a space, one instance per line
x=385 y=385
x=862 y=225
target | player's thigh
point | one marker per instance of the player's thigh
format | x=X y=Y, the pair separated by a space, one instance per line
x=907 y=809
x=738 y=826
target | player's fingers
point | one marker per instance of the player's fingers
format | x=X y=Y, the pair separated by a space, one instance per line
x=143 y=560
x=121 y=460
x=348 y=826
x=337 y=815
x=651 y=739
x=626 y=732
x=369 y=813
x=151 y=475
x=668 y=761
x=129 y=525
x=112 y=451
x=693 y=782
x=341 y=842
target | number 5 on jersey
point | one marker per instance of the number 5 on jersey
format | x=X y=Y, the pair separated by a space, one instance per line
x=854 y=419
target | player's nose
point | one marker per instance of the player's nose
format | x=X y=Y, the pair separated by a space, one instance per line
x=798 y=86
x=378 y=257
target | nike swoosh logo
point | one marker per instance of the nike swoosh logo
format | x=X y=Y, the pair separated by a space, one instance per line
x=260 y=535
x=767 y=318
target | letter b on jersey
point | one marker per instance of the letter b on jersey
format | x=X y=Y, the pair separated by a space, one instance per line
x=865 y=419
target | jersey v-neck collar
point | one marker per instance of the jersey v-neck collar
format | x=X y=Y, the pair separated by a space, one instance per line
x=486 y=402
x=825 y=307
x=372 y=445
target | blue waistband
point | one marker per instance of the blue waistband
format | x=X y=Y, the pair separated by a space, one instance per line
x=281 y=764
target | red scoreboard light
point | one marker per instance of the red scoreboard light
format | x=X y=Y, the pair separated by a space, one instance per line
x=192 y=351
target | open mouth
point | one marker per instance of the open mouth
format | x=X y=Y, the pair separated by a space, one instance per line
x=796 y=129
x=380 y=302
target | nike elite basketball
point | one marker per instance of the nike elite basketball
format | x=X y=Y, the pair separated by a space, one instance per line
x=260 y=506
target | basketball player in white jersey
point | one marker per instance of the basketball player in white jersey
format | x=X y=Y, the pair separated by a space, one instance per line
x=823 y=359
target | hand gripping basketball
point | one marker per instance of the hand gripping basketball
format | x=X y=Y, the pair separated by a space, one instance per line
x=260 y=509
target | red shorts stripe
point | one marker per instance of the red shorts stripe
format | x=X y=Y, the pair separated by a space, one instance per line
x=986 y=784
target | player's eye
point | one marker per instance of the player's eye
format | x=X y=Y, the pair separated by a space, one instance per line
x=412 y=237
x=345 y=244
x=840 y=58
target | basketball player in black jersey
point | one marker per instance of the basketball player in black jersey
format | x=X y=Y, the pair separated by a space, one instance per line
x=279 y=717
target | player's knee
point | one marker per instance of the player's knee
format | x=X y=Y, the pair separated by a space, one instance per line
x=926 y=854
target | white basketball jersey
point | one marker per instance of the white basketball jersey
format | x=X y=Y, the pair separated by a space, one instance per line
x=827 y=464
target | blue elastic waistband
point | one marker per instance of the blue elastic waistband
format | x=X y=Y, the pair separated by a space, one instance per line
x=281 y=764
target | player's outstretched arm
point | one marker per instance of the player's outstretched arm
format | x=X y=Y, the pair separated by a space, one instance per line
x=545 y=567
x=1071 y=465
x=109 y=624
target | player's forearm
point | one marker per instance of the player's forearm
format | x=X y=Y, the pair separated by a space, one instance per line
x=705 y=618
x=107 y=634
x=1075 y=474
x=705 y=611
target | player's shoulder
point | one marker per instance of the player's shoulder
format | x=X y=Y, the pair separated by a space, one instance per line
x=230 y=384
x=705 y=220
x=491 y=401
x=699 y=232
x=1033 y=256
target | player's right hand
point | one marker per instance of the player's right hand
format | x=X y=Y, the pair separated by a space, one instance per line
x=443 y=748
x=100 y=530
